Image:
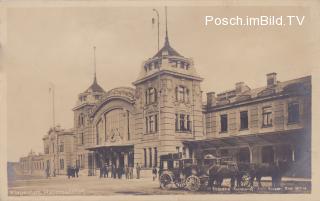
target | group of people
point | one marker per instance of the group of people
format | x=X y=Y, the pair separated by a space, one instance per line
x=72 y=171
x=117 y=172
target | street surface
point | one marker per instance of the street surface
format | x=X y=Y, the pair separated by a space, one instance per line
x=86 y=185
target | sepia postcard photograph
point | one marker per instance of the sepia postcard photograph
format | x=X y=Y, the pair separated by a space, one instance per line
x=175 y=100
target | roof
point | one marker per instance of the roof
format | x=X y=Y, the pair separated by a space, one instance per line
x=95 y=87
x=297 y=85
x=167 y=48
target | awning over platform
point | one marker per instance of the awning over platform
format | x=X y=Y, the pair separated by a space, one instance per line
x=111 y=147
x=283 y=137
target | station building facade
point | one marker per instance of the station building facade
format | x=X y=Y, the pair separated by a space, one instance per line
x=164 y=113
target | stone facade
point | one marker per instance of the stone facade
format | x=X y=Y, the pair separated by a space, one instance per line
x=164 y=113
x=59 y=150
x=32 y=164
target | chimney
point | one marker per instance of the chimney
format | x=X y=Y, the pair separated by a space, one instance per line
x=240 y=87
x=271 y=79
x=211 y=99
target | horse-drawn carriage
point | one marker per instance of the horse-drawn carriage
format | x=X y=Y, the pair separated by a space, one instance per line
x=193 y=176
x=211 y=171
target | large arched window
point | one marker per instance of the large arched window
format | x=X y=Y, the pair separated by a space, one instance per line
x=151 y=95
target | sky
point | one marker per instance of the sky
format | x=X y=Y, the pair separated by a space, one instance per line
x=54 y=45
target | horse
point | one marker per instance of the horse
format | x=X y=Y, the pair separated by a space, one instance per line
x=219 y=172
x=275 y=170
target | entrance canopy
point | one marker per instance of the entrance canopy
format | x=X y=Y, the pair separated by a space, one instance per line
x=280 y=137
x=111 y=147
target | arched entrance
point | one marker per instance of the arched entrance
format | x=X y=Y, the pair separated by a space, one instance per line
x=244 y=155
x=267 y=153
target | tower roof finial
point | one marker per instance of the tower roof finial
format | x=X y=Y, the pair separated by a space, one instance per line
x=94 y=65
x=166 y=39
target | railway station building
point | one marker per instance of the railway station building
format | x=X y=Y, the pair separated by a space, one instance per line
x=164 y=112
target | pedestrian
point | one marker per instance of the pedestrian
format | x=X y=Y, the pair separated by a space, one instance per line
x=69 y=172
x=73 y=172
x=154 y=173
x=77 y=171
x=107 y=170
x=104 y=171
x=47 y=172
x=120 y=172
x=101 y=171
x=126 y=171
x=131 y=172
x=138 y=168
x=114 y=174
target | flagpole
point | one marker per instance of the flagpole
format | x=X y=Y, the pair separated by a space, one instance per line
x=51 y=89
x=158 y=23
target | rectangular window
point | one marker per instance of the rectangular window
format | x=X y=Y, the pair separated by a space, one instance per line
x=61 y=164
x=155 y=157
x=46 y=150
x=61 y=147
x=52 y=147
x=188 y=123
x=267 y=116
x=82 y=138
x=182 y=127
x=244 y=120
x=156 y=123
x=177 y=122
x=182 y=94
x=150 y=157
x=178 y=149
x=145 y=157
x=293 y=112
x=224 y=122
x=147 y=130
x=151 y=122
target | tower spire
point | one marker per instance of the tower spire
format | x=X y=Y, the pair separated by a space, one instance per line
x=94 y=65
x=166 y=39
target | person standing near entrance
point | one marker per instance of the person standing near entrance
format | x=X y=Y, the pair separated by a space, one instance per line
x=77 y=171
x=120 y=172
x=107 y=170
x=114 y=173
x=47 y=172
x=138 y=168
x=126 y=171
x=101 y=171
x=130 y=172
x=154 y=173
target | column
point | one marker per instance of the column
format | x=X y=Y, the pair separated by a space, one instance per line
x=293 y=153
x=250 y=151
x=126 y=162
x=117 y=159
x=187 y=152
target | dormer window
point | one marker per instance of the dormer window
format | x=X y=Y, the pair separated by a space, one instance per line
x=187 y=66
x=97 y=97
x=151 y=95
x=83 y=98
x=156 y=64
x=182 y=64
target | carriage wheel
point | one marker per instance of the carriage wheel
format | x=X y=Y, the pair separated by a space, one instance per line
x=245 y=181
x=180 y=183
x=193 y=183
x=165 y=181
